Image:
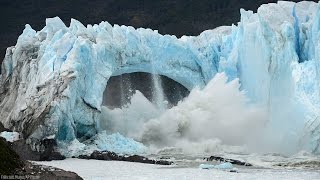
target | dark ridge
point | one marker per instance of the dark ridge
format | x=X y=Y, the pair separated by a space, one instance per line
x=177 y=17
x=12 y=166
x=232 y=161
x=14 y=162
x=111 y=156
x=10 y=161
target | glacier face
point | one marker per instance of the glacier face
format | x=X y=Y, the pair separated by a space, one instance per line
x=53 y=80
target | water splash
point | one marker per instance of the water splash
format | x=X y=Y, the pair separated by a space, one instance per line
x=157 y=93
x=217 y=113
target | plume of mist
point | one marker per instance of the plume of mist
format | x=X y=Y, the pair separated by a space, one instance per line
x=219 y=113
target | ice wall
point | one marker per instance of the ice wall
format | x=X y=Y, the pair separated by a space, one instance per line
x=272 y=52
x=52 y=81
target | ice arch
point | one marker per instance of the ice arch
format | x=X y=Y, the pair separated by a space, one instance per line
x=53 y=80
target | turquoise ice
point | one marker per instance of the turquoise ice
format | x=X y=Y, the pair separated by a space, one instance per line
x=58 y=74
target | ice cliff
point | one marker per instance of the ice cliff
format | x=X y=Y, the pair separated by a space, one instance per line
x=52 y=81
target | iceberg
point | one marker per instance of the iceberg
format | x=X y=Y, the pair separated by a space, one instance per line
x=221 y=166
x=53 y=80
x=102 y=142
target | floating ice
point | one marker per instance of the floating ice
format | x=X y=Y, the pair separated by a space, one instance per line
x=103 y=142
x=225 y=165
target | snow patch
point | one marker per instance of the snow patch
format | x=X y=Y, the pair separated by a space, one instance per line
x=10 y=136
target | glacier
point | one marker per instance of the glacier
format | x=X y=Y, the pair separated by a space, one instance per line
x=53 y=80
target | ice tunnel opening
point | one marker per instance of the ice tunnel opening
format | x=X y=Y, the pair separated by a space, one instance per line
x=121 y=88
x=132 y=99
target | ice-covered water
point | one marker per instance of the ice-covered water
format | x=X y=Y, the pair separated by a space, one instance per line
x=98 y=170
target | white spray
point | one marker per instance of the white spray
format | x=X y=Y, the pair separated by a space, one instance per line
x=217 y=113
